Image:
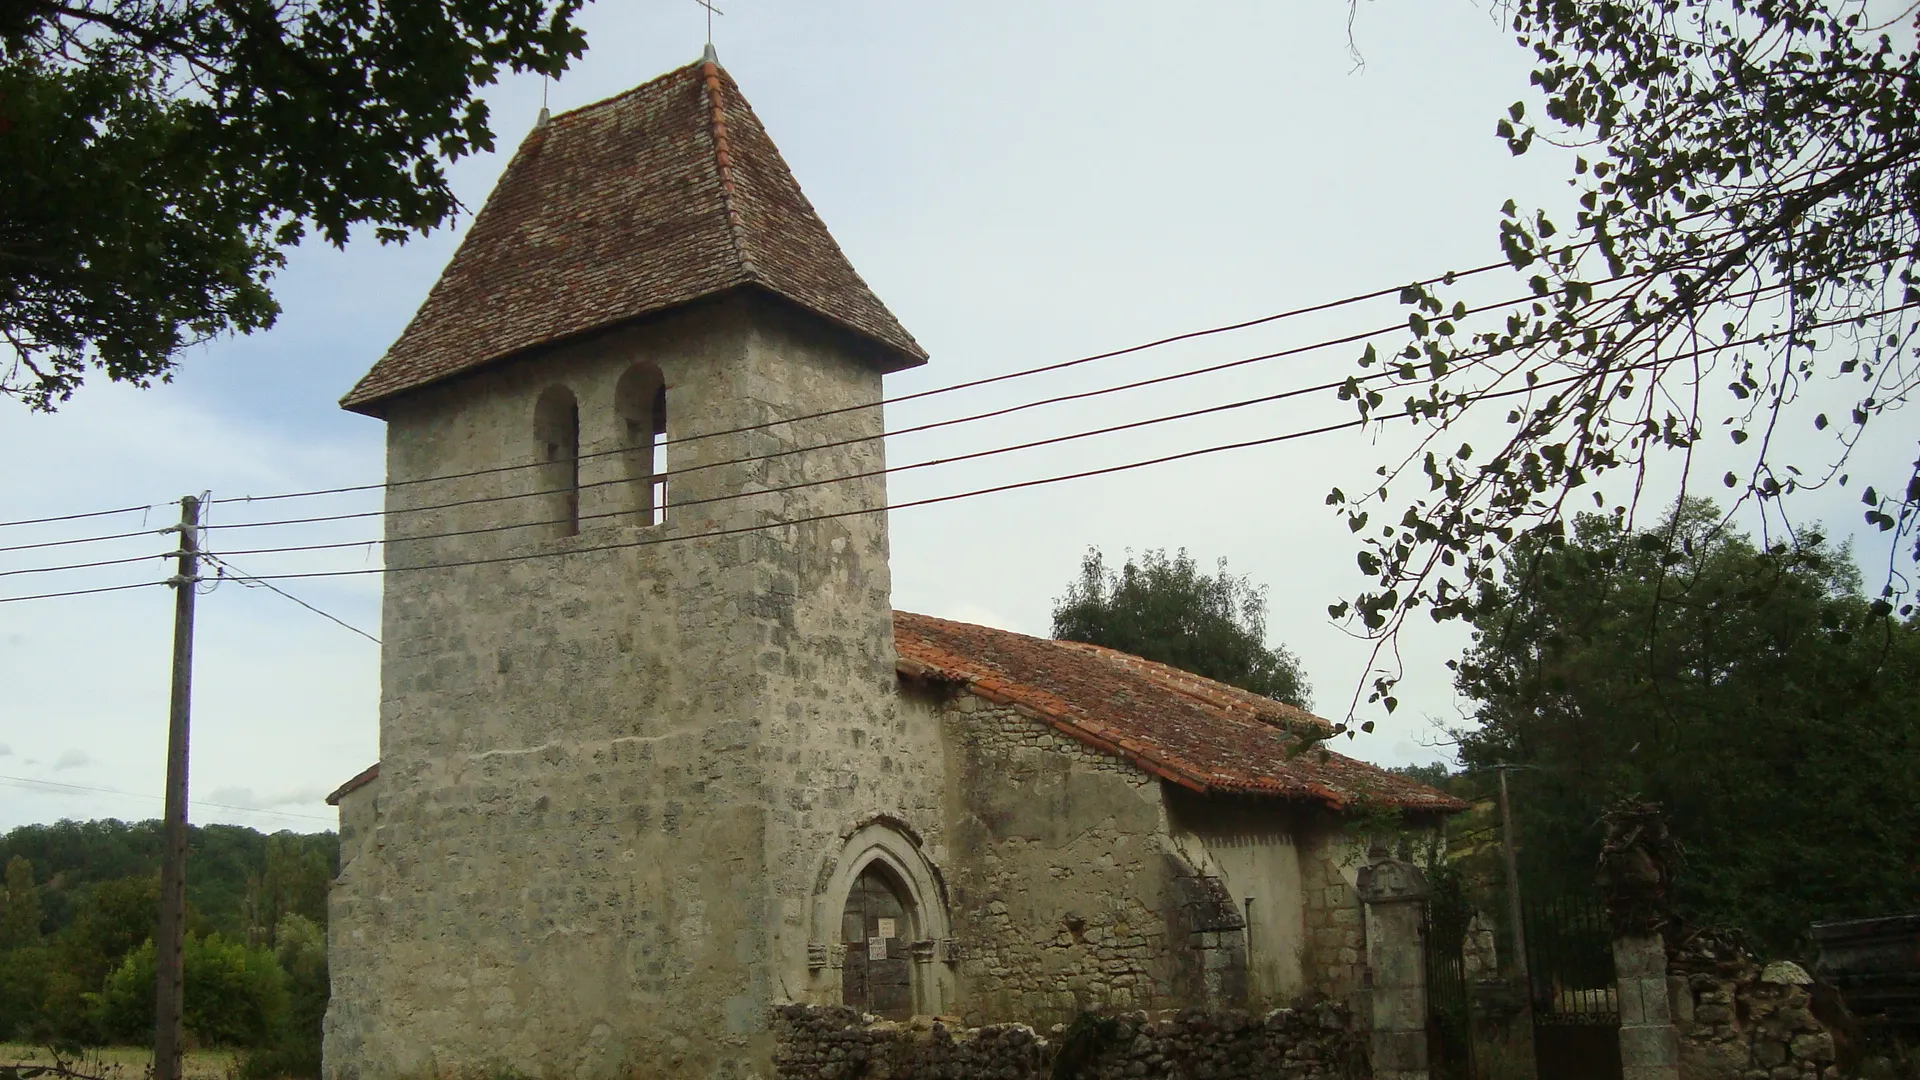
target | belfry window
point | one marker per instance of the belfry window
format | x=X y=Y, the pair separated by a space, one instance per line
x=556 y=436
x=641 y=401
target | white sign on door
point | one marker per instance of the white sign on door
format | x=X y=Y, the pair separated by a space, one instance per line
x=886 y=928
x=876 y=948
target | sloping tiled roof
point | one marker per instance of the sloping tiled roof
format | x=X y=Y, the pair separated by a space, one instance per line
x=661 y=196
x=366 y=776
x=1193 y=731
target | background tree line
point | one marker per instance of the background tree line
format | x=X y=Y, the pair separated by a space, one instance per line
x=1757 y=692
x=78 y=915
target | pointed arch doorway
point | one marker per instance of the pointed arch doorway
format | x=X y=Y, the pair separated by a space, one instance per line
x=876 y=925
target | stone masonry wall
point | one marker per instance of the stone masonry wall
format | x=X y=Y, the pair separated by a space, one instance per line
x=1059 y=891
x=1336 y=942
x=1286 y=1044
x=610 y=762
x=1740 y=1019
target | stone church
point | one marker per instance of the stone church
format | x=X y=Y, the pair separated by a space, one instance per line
x=657 y=754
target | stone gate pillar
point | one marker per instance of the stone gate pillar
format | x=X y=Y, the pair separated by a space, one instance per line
x=1649 y=1043
x=1395 y=892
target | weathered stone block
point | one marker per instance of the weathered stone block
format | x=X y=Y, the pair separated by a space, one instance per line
x=1649 y=1046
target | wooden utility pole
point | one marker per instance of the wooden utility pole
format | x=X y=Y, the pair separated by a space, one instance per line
x=170 y=945
x=1514 y=912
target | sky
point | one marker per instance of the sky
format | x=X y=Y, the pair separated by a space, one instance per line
x=1021 y=183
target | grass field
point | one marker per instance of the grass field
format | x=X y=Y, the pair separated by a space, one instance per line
x=123 y=1062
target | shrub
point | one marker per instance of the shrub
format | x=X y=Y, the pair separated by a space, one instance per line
x=235 y=995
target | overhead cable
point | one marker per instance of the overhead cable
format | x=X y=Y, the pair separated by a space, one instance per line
x=1383 y=374
x=75 y=517
x=234 y=573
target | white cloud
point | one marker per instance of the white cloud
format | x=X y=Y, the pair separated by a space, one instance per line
x=72 y=759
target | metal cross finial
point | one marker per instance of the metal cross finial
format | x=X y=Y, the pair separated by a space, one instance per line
x=711 y=12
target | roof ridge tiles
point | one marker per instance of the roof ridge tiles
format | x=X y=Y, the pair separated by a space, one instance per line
x=723 y=165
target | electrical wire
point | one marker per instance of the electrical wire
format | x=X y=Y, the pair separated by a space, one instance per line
x=1448 y=278
x=1384 y=374
x=74 y=517
x=234 y=573
x=81 y=540
x=672 y=474
x=1060 y=365
x=82 y=592
x=1530 y=388
x=85 y=565
x=29 y=783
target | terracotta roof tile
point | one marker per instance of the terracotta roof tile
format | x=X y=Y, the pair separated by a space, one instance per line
x=367 y=776
x=1193 y=731
x=1169 y=723
x=661 y=196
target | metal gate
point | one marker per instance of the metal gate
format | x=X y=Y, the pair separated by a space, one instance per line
x=1449 y=997
x=1576 y=1010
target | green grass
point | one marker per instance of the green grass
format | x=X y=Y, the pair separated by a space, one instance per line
x=124 y=1062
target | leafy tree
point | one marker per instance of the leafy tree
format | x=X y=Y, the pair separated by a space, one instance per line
x=74 y=856
x=24 y=963
x=1165 y=609
x=1755 y=692
x=162 y=154
x=19 y=906
x=100 y=892
x=301 y=950
x=1741 y=267
x=236 y=995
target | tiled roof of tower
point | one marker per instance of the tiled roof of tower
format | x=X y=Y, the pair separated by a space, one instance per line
x=661 y=196
x=1192 y=731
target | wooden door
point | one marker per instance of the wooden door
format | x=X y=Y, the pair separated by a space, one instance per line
x=877 y=975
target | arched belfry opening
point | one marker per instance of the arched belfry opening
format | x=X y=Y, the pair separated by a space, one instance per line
x=640 y=399
x=876 y=927
x=556 y=439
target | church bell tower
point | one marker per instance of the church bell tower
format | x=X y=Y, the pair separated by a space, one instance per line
x=637 y=664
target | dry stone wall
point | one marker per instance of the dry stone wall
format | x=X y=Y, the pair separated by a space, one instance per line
x=1740 y=1019
x=833 y=1043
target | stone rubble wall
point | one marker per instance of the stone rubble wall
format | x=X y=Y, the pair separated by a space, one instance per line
x=1059 y=891
x=1740 y=1019
x=836 y=1043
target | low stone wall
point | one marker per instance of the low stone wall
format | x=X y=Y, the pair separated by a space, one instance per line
x=832 y=1042
x=1740 y=1019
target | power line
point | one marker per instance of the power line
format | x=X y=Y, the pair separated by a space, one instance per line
x=840 y=479
x=671 y=474
x=81 y=540
x=1014 y=486
x=1384 y=374
x=248 y=580
x=75 y=517
x=1448 y=278
x=1060 y=365
x=1530 y=388
x=81 y=592
x=83 y=566
x=29 y=783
